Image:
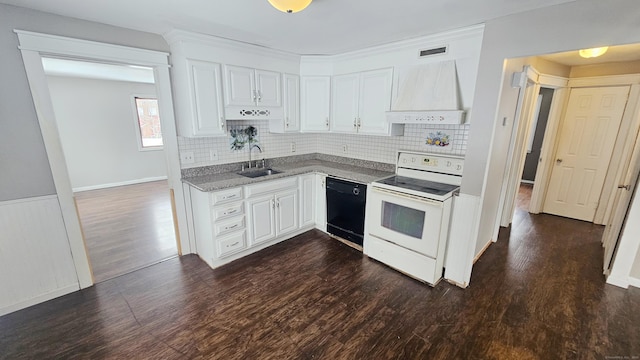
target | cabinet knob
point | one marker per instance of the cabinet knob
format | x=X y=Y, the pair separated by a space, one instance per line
x=327 y=122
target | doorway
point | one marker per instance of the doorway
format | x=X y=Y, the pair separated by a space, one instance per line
x=620 y=135
x=108 y=122
x=33 y=46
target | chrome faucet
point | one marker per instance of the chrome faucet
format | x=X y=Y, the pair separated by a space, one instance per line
x=251 y=150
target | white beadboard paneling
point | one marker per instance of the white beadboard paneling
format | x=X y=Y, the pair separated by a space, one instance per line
x=35 y=258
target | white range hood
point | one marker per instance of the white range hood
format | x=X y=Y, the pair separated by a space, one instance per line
x=428 y=94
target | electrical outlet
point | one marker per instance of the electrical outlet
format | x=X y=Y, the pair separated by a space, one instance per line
x=293 y=147
x=213 y=155
x=344 y=148
x=187 y=157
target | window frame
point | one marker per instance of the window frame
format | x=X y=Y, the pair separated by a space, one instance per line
x=136 y=122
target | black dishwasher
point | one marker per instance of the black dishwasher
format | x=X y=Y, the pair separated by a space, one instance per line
x=346 y=202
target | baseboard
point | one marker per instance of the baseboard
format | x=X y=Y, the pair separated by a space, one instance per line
x=619 y=282
x=122 y=183
x=526 y=181
x=484 y=248
x=634 y=282
x=39 y=299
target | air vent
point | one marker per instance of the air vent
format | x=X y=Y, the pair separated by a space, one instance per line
x=434 y=51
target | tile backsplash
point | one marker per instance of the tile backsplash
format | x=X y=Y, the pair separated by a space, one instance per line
x=365 y=147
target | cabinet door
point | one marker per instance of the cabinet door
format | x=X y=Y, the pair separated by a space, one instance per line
x=287 y=211
x=307 y=200
x=291 y=102
x=321 y=202
x=241 y=86
x=268 y=88
x=261 y=219
x=315 y=96
x=344 y=103
x=206 y=98
x=375 y=101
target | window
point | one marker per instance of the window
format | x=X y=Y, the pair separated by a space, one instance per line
x=148 y=123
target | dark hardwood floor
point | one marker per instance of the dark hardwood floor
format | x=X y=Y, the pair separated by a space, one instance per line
x=127 y=227
x=538 y=293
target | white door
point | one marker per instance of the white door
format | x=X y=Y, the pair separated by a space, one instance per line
x=621 y=203
x=315 y=103
x=268 y=88
x=375 y=101
x=291 y=102
x=206 y=86
x=287 y=211
x=261 y=219
x=589 y=131
x=344 y=103
x=241 y=85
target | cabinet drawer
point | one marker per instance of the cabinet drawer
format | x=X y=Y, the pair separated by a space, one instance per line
x=225 y=196
x=227 y=211
x=270 y=186
x=225 y=227
x=232 y=244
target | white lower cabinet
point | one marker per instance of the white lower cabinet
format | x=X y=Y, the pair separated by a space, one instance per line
x=307 y=186
x=262 y=219
x=275 y=213
x=235 y=222
x=321 y=202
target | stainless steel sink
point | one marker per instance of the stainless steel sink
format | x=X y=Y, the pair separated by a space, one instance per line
x=259 y=173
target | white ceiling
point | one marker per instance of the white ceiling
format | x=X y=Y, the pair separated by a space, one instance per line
x=618 y=53
x=325 y=27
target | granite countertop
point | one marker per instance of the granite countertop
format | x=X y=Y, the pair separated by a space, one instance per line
x=348 y=170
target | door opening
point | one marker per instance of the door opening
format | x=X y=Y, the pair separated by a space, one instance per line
x=112 y=146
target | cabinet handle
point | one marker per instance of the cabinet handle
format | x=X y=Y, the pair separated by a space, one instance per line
x=259 y=95
x=253 y=92
x=231 y=227
x=273 y=204
x=359 y=123
x=231 y=212
x=327 y=122
x=221 y=123
x=278 y=204
x=226 y=197
x=354 y=123
x=234 y=244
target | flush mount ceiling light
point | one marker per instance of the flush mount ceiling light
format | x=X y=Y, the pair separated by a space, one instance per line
x=290 y=6
x=591 y=53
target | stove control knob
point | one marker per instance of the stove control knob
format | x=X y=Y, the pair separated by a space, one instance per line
x=448 y=163
x=459 y=167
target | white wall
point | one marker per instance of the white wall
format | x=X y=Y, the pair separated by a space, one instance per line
x=20 y=139
x=96 y=122
x=564 y=27
x=25 y=174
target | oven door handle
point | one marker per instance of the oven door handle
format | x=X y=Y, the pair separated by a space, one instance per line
x=406 y=196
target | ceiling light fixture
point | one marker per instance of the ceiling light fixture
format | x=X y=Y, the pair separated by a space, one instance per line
x=591 y=53
x=290 y=6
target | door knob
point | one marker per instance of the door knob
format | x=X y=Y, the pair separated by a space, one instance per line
x=558 y=161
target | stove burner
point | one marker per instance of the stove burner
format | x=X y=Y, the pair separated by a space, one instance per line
x=425 y=186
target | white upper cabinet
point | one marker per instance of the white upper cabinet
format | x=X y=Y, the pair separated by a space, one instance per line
x=205 y=97
x=344 y=101
x=315 y=103
x=268 y=88
x=360 y=102
x=290 y=122
x=250 y=87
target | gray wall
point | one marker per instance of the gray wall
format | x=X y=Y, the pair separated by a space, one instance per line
x=24 y=168
x=532 y=159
